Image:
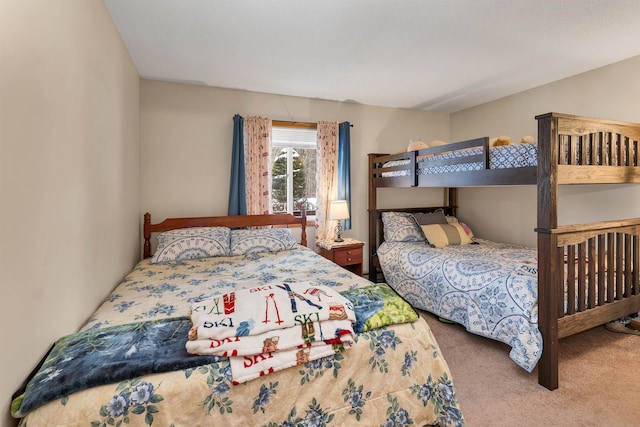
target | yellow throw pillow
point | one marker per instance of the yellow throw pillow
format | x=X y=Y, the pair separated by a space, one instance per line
x=441 y=235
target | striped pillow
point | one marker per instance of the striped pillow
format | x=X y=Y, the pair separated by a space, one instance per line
x=441 y=235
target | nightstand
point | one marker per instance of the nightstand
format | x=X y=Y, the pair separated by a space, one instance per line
x=347 y=254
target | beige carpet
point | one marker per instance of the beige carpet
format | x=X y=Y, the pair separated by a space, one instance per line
x=599 y=380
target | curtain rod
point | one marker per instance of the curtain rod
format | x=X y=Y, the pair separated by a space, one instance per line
x=300 y=124
x=308 y=125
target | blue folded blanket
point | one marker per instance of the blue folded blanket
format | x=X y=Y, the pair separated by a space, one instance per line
x=108 y=355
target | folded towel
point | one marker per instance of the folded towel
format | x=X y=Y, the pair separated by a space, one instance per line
x=245 y=368
x=257 y=310
x=271 y=327
x=305 y=334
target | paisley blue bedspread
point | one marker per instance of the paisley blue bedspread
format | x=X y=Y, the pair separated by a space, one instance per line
x=490 y=288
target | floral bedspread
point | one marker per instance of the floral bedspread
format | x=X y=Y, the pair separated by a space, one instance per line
x=490 y=288
x=392 y=375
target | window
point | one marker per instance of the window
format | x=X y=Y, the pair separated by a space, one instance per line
x=293 y=170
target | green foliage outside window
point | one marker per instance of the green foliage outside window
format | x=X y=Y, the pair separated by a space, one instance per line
x=279 y=177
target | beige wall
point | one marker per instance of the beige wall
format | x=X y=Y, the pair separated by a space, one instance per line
x=509 y=214
x=74 y=118
x=69 y=174
x=187 y=133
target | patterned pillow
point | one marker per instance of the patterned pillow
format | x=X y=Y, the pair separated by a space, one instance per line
x=261 y=240
x=401 y=227
x=192 y=243
x=441 y=235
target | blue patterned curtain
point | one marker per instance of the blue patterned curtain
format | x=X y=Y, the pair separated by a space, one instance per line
x=344 y=167
x=237 y=191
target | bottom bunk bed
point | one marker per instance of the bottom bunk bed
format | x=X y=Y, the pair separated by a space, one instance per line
x=586 y=274
x=492 y=288
x=129 y=363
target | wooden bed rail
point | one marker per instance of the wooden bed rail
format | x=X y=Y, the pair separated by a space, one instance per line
x=601 y=265
x=588 y=275
x=235 y=221
x=404 y=171
x=583 y=150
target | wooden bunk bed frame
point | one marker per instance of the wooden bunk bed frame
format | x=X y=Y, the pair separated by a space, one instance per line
x=571 y=150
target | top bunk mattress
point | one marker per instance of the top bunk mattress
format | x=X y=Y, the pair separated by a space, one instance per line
x=500 y=157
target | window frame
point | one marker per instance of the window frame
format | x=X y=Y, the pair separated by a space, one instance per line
x=294 y=125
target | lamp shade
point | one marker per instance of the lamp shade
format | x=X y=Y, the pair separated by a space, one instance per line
x=339 y=210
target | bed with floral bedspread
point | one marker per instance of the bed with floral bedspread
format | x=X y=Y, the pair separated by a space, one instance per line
x=490 y=288
x=391 y=375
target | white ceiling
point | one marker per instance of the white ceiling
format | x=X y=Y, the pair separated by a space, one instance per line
x=434 y=55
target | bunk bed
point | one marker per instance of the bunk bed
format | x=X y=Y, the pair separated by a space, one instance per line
x=570 y=150
x=140 y=359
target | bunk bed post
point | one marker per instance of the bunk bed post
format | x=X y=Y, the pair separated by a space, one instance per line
x=373 y=218
x=303 y=227
x=548 y=297
x=451 y=200
x=147 y=235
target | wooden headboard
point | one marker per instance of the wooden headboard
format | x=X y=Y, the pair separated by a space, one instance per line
x=235 y=221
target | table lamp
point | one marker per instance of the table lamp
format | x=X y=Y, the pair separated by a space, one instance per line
x=339 y=211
